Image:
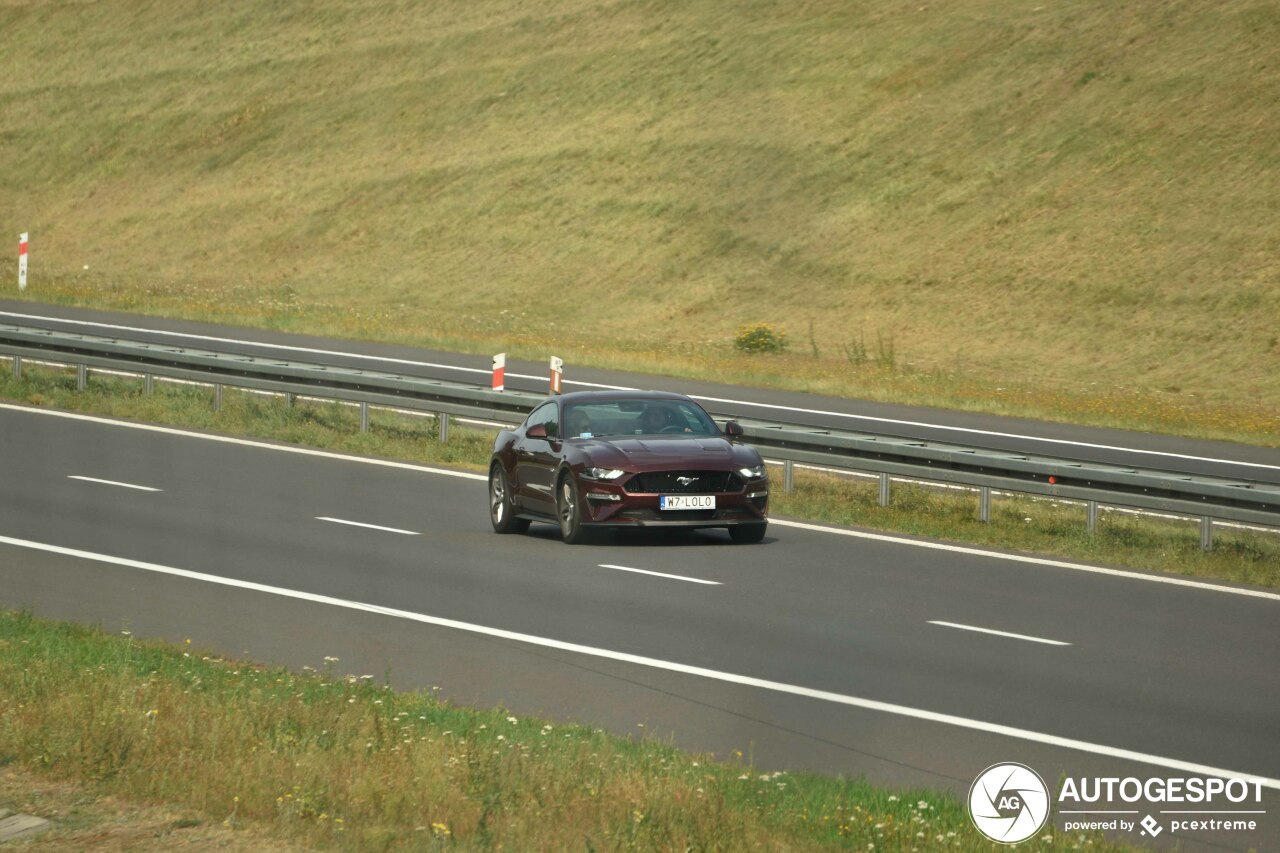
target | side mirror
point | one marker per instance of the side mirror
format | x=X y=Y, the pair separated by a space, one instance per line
x=536 y=431
x=733 y=429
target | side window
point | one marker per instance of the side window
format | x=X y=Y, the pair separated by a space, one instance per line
x=544 y=414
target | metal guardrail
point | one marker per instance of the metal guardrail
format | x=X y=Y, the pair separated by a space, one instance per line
x=1207 y=498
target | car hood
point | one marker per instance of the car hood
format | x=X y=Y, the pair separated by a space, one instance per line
x=648 y=451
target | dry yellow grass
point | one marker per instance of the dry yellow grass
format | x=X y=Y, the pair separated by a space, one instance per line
x=1077 y=198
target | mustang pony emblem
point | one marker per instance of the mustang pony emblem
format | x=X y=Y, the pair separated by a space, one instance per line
x=684 y=481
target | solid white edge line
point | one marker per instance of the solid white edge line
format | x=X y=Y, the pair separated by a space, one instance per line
x=467 y=475
x=667 y=666
x=874 y=419
x=290 y=348
x=246 y=442
x=658 y=574
x=368 y=526
x=112 y=483
x=1026 y=637
x=1038 y=561
x=987 y=432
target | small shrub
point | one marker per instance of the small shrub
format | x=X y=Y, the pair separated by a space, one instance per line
x=857 y=354
x=760 y=337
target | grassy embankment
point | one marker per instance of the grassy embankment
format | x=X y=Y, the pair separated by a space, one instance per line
x=1018 y=523
x=318 y=760
x=1066 y=211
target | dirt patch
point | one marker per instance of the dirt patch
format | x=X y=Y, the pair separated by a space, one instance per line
x=86 y=820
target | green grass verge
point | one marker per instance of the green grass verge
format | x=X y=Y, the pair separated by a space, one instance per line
x=1019 y=523
x=1066 y=210
x=336 y=762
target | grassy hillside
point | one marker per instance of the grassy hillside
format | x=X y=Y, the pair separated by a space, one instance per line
x=1070 y=209
x=326 y=762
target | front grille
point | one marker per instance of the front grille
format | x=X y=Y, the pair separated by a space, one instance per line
x=667 y=483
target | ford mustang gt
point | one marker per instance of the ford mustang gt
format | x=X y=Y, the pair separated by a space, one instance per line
x=614 y=459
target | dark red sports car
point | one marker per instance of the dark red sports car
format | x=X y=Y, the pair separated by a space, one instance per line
x=611 y=459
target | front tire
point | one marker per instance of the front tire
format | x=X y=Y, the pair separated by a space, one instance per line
x=502 y=512
x=747 y=534
x=569 y=511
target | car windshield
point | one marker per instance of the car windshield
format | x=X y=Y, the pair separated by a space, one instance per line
x=637 y=417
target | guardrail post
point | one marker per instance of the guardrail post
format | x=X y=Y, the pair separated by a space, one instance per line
x=364 y=417
x=147 y=384
x=82 y=376
x=17 y=367
x=884 y=489
x=1091 y=516
x=984 y=503
x=443 y=420
x=1206 y=534
x=288 y=399
x=788 y=475
x=217 y=398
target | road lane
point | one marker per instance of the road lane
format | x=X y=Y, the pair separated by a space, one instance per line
x=979 y=430
x=1164 y=670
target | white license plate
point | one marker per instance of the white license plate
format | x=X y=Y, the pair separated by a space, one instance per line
x=687 y=502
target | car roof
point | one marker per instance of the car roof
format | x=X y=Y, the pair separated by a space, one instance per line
x=609 y=395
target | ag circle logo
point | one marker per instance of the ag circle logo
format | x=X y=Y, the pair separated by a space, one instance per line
x=1009 y=802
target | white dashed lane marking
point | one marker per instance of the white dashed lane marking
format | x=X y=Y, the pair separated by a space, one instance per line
x=367 y=526
x=112 y=483
x=1026 y=637
x=659 y=574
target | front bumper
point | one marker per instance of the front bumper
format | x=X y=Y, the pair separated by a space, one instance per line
x=609 y=505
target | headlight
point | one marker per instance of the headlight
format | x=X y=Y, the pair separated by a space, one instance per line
x=602 y=473
x=752 y=473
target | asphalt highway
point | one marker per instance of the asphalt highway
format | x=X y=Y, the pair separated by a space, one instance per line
x=907 y=662
x=1089 y=444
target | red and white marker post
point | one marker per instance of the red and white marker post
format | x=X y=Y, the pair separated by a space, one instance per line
x=22 y=261
x=557 y=373
x=500 y=372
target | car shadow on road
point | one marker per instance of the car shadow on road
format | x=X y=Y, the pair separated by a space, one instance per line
x=651 y=538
